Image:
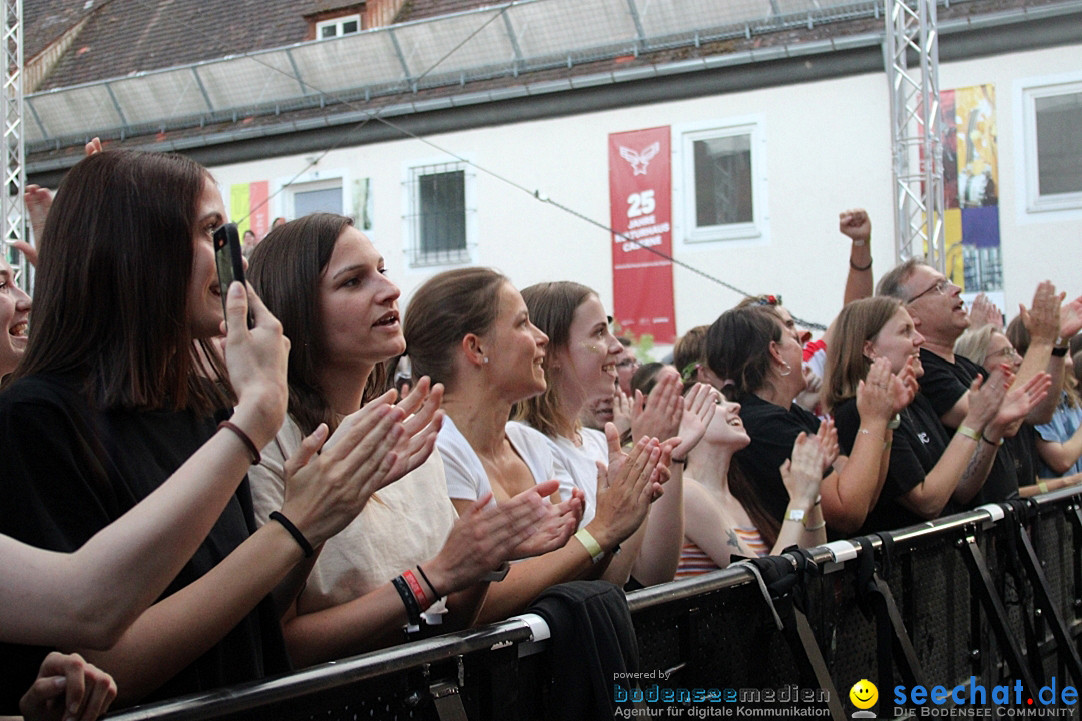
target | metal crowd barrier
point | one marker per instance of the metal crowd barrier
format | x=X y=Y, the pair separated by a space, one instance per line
x=986 y=598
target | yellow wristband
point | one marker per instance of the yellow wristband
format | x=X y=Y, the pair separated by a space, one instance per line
x=1042 y=486
x=590 y=544
x=969 y=433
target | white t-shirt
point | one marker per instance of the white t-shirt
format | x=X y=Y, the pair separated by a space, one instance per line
x=581 y=462
x=402 y=525
x=466 y=476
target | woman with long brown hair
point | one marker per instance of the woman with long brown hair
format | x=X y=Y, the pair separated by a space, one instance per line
x=754 y=349
x=407 y=560
x=722 y=515
x=113 y=397
x=928 y=468
x=579 y=367
x=471 y=330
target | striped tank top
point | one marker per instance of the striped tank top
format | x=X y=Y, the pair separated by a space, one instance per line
x=694 y=561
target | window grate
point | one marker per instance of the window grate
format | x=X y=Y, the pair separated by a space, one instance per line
x=438 y=215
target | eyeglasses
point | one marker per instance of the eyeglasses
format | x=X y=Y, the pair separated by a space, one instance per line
x=940 y=287
x=768 y=300
x=1008 y=352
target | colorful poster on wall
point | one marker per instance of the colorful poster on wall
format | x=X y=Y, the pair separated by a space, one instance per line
x=640 y=202
x=248 y=207
x=971 y=185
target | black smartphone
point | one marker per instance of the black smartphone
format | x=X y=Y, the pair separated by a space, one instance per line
x=230 y=262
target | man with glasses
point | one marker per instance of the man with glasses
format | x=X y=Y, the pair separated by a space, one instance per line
x=939 y=314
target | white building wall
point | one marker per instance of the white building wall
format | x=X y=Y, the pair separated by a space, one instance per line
x=827 y=149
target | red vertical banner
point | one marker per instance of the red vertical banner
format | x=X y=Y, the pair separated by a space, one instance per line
x=259 y=219
x=640 y=199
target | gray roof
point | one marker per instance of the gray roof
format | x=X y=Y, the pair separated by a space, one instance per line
x=44 y=21
x=422 y=9
x=646 y=70
x=128 y=36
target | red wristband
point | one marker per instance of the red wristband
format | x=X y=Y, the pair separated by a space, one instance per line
x=415 y=587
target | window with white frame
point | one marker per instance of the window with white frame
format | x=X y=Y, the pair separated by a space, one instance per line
x=440 y=215
x=1053 y=146
x=336 y=27
x=722 y=185
x=318 y=196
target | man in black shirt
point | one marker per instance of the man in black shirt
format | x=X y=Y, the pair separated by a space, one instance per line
x=939 y=314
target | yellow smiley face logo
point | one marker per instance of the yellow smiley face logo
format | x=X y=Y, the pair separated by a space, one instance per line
x=864 y=694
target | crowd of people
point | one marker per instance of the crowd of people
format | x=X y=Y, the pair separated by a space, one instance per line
x=193 y=500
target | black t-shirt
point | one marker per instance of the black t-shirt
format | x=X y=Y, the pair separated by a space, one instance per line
x=1022 y=448
x=943 y=383
x=69 y=472
x=773 y=430
x=918 y=444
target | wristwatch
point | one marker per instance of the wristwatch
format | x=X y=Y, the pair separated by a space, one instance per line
x=795 y=514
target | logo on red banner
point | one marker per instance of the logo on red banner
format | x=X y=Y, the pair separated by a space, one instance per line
x=640 y=201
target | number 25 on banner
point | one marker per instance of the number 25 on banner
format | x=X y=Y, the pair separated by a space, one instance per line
x=640 y=203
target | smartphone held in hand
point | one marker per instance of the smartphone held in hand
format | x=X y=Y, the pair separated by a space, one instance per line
x=229 y=261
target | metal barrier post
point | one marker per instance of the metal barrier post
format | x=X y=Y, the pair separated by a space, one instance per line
x=892 y=639
x=1074 y=516
x=888 y=616
x=997 y=614
x=1066 y=650
x=794 y=624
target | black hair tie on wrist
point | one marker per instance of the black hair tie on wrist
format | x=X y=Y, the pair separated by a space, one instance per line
x=295 y=532
x=432 y=588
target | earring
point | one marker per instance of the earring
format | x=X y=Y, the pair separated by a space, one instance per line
x=485 y=360
x=788 y=369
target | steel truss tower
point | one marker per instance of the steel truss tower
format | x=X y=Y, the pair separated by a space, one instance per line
x=11 y=107
x=916 y=130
